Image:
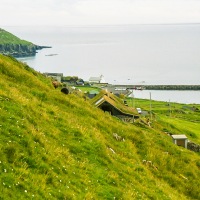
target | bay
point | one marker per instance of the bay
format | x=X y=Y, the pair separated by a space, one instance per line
x=176 y=96
x=154 y=54
x=127 y=54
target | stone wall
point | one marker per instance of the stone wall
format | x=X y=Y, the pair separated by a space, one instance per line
x=193 y=147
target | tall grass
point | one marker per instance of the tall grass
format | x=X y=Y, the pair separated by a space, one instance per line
x=56 y=146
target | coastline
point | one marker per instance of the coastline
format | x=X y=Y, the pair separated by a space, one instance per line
x=160 y=87
x=21 y=50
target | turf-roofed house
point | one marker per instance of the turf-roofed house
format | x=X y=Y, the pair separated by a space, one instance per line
x=109 y=102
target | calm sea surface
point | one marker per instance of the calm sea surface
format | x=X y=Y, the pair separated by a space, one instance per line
x=151 y=54
x=186 y=97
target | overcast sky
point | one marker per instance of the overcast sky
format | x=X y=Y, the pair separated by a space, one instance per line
x=97 y=12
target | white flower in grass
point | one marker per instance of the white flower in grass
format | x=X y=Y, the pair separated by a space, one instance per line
x=25 y=191
x=5 y=170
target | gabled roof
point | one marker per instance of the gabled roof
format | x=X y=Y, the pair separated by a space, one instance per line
x=176 y=137
x=93 y=92
x=114 y=101
x=95 y=79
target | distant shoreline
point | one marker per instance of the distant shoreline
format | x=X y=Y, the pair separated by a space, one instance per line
x=160 y=87
x=106 y=25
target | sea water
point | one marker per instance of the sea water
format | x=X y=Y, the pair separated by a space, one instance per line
x=176 y=96
x=128 y=54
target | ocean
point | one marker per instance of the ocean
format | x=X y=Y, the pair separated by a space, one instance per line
x=126 y=54
x=173 y=96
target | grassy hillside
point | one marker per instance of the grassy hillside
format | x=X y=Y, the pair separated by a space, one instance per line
x=12 y=45
x=57 y=146
x=9 y=38
x=174 y=118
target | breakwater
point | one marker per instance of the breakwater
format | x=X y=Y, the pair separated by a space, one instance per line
x=159 y=87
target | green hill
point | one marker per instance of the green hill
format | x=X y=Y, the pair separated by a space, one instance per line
x=57 y=146
x=12 y=45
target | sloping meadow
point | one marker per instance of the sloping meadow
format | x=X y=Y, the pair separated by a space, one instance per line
x=57 y=146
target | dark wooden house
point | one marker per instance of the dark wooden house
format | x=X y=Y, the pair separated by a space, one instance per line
x=108 y=102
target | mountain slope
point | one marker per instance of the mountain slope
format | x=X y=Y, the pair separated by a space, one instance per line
x=12 y=45
x=57 y=146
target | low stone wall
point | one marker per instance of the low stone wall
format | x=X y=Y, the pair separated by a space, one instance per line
x=193 y=147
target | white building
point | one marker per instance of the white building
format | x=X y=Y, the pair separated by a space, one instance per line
x=180 y=140
x=97 y=79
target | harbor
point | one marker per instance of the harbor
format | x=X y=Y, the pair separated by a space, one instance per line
x=155 y=87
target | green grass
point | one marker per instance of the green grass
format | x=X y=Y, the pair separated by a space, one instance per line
x=88 y=88
x=57 y=146
x=173 y=118
x=9 y=38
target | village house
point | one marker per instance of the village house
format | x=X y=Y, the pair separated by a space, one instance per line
x=180 y=140
x=99 y=79
x=91 y=94
x=110 y=103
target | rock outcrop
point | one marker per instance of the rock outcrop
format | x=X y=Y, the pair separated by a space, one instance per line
x=20 y=50
x=14 y=46
x=193 y=147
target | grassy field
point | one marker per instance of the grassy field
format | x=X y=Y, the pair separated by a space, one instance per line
x=88 y=88
x=175 y=118
x=57 y=146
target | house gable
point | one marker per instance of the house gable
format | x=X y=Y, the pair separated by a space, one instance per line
x=112 y=104
x=97 y=79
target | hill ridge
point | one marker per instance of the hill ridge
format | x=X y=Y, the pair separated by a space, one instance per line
x=14 y=46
